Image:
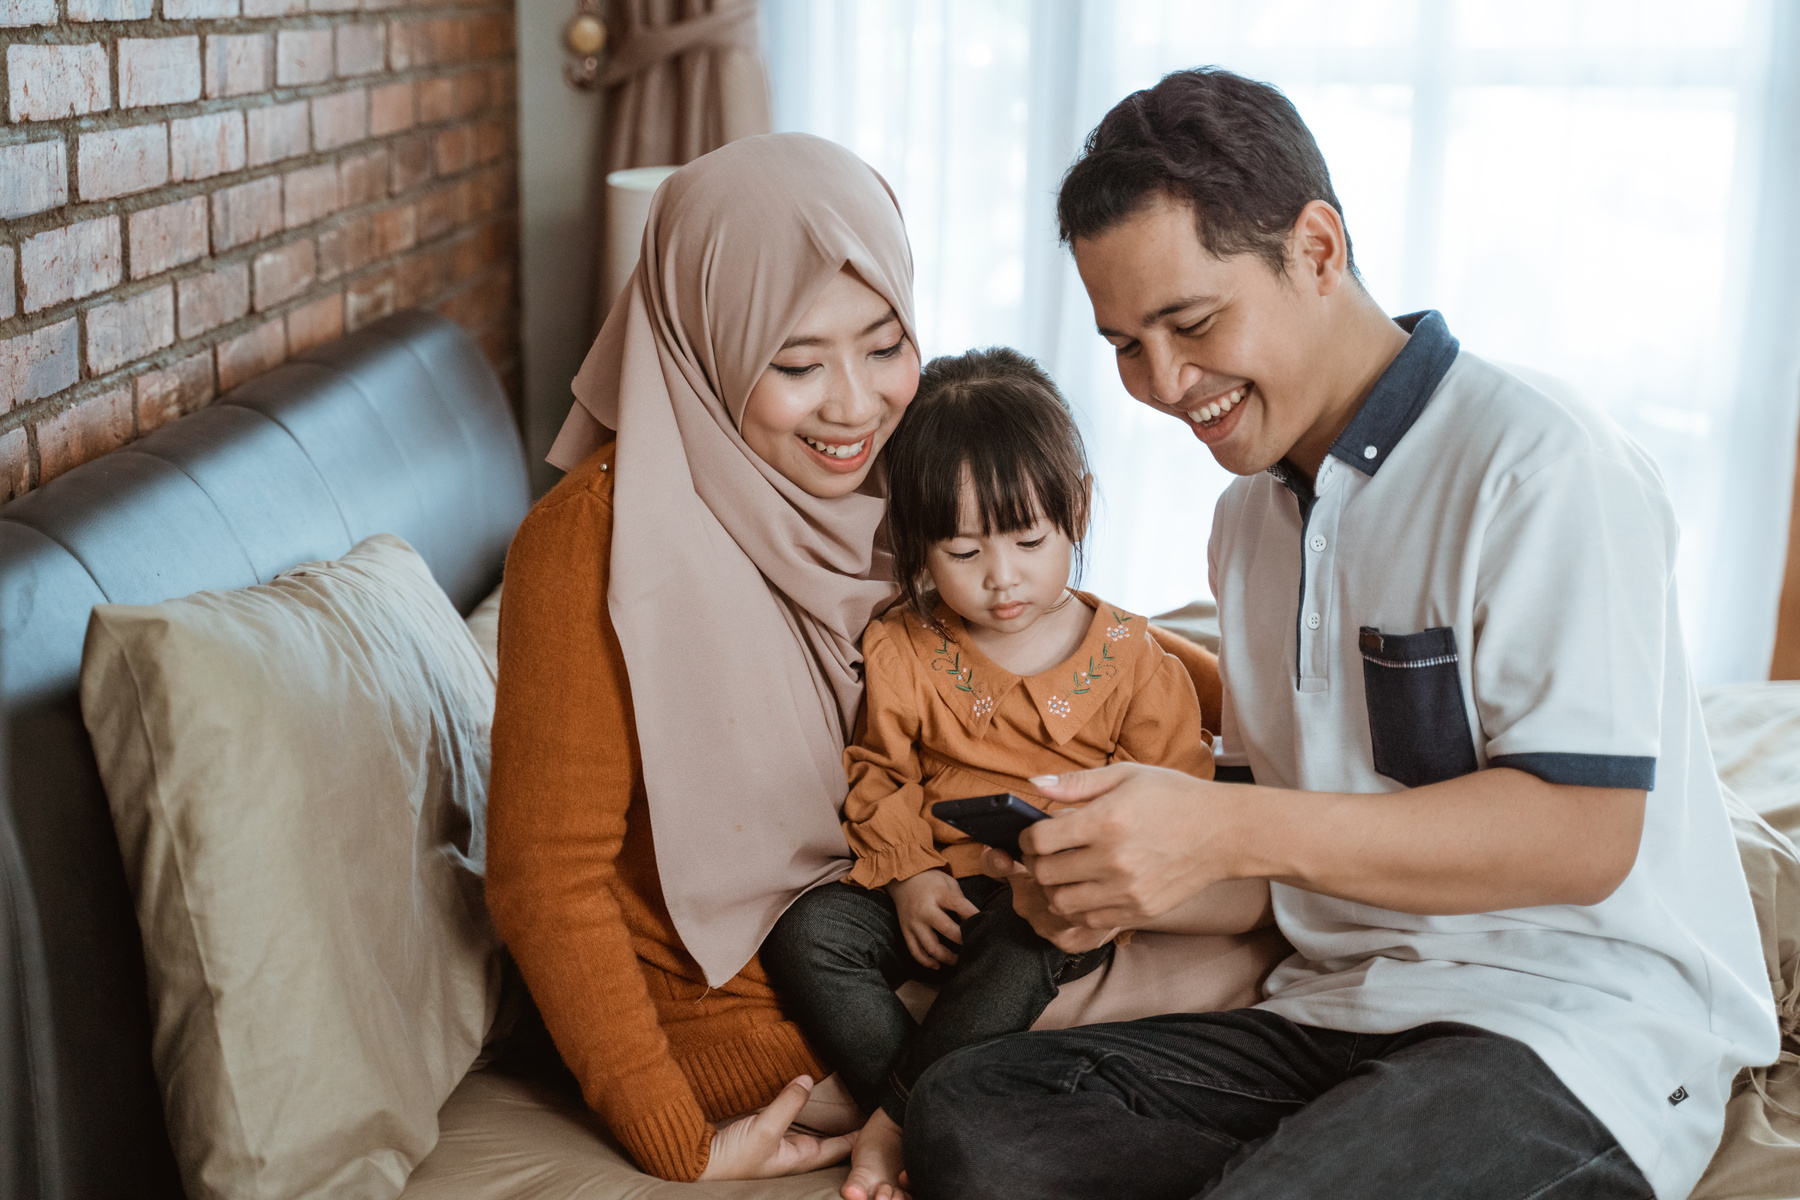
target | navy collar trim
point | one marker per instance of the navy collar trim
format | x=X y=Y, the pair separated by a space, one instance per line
x=1401 y=393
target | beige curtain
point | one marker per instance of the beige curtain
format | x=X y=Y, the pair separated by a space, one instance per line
x=684 y=77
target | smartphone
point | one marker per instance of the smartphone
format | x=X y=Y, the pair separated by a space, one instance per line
x=995 y=820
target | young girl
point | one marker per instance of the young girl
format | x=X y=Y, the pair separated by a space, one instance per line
x=989 y=670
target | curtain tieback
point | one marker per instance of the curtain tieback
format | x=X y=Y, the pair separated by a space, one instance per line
x=641 y=49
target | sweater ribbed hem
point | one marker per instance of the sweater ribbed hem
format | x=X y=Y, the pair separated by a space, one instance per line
x=737 y=1076
x=672 y=1145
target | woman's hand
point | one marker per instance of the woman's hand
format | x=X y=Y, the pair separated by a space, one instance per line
x=1030 y=902
x=760 y=1145
x=929 y=905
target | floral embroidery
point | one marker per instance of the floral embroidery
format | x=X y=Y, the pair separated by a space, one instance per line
x=1105 y=667
x=949 y=660
x=984 y=706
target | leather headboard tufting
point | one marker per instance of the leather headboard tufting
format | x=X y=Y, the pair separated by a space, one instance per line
x=399 y=428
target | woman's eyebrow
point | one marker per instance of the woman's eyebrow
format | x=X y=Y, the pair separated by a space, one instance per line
x=814 y=340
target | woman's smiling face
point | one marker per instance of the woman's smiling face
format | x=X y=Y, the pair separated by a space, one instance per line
x=826 y=403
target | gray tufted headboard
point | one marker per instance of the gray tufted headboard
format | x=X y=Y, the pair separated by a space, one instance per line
x=399 y=428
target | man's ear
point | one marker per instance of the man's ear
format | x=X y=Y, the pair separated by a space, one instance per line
x=1319 y=249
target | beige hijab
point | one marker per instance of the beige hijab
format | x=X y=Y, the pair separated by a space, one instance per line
x=738 y=598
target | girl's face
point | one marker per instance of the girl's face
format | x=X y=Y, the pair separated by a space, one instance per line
x=1000 y=581
x=826 y=403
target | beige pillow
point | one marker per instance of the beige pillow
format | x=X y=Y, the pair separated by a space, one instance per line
x=297 y=774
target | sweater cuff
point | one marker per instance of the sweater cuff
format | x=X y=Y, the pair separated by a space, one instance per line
x=673 y=1144
x=892 y=864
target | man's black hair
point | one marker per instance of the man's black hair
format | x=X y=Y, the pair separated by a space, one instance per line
x=995 y=418
x=1233 y=149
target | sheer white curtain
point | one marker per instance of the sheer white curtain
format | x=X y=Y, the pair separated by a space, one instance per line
x=1603 y=190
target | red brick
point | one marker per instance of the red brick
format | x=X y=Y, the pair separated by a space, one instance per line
x=46 y=83
x=361 y=49
x=492 y=136
x=454 y=150
x=109 y=10
x=118 y=162
x=187 y=10
x=503 y=86
x=315 y=323
x=249 y=355
x=167 y=236
x=285 y=273
x=390 y=109
x=449 y=40
x=279 y=131
x=402 y=54
x=491 y=36
x=15 y=14
x=214 y=299
x=95 y=426
x=416 y=278
x=246 y=213
x=363 y=179
x=412 y=163
x=302 y=56
x=370 y=300
x=201 y=147
x=8 y=297
x=68 y=263
x=238 y=64
x=481 y=304
x=341 y=119
x=438 y=213
x=127 y=331
x=38 y=364
x=175 y=391
x=15 y=464
x=311 y=194
x=34 y=176
x=437 y=100
x=396 y=229
x=273 y=8
x=471 y=92
x=158 y=71
x=346 y=248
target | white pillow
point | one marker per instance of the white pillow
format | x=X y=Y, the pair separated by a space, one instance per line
x=297 y=773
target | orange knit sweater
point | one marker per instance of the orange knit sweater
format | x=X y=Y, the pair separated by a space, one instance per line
x=572 y=880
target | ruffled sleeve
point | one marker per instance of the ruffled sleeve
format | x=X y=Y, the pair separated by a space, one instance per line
x=884 y=818
x=1163 y=727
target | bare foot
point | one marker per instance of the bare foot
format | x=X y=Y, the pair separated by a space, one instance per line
x=876 y=1165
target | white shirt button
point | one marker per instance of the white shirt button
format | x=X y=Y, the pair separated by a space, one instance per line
x=1312 y=620
x=1318 y=542
x=1370 y=452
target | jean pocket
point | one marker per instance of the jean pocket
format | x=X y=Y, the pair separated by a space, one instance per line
x=1418 y=727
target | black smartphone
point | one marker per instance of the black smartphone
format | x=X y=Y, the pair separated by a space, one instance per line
x=995 y=820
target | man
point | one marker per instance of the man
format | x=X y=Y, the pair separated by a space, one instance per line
x=1527 y=964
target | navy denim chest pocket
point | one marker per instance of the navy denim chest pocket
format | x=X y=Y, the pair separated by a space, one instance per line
x=1417 y=724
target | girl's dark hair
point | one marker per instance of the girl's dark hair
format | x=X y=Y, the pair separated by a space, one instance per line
x=1234 y=149
x=995 y=414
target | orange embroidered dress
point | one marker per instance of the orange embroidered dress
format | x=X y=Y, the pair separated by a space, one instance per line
x=944 y=722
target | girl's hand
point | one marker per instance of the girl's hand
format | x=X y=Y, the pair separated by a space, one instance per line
x=1030 y=902
x=760 y=1145
x=929 y=904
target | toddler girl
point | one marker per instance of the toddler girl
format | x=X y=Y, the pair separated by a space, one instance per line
x=988 y=671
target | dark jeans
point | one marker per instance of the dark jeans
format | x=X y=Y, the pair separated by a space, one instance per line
x=837 y=955
x=1246 y=1104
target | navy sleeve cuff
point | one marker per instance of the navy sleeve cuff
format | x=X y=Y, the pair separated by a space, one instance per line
x=1233 y=775
x=1585 y=770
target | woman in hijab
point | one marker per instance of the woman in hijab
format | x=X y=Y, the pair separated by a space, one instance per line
x=679 y=663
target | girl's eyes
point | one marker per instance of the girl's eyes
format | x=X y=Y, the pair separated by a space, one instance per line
x=1035 y=542
x=965 y=556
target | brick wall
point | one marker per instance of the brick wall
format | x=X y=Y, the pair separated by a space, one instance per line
x=193 y=190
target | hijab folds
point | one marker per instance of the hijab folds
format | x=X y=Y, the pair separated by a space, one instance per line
x=739 y=599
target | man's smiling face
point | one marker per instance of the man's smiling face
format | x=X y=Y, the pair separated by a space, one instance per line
x=1226 y=345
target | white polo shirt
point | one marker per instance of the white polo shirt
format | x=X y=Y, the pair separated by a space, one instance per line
x=1483 y=576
